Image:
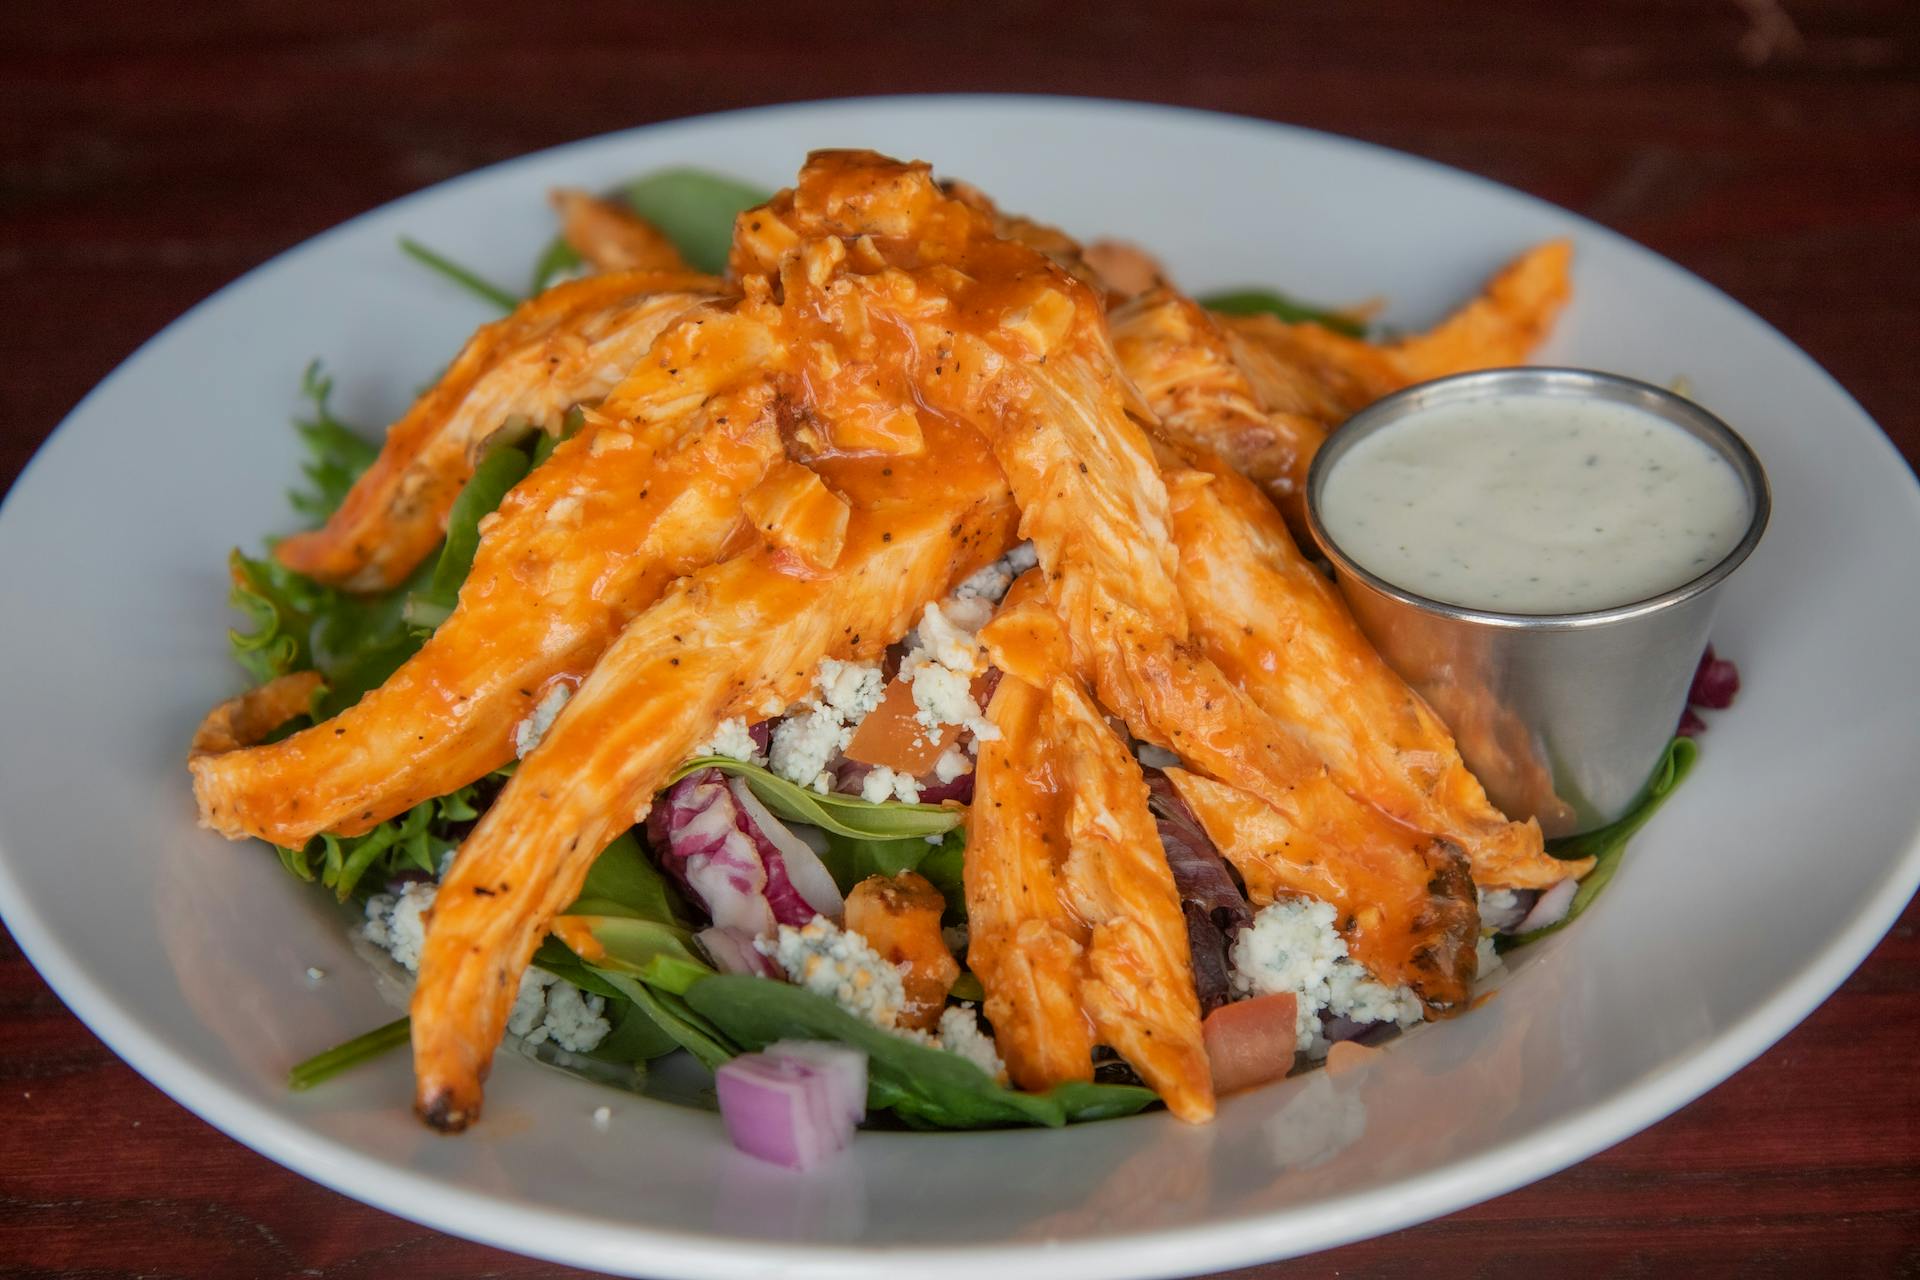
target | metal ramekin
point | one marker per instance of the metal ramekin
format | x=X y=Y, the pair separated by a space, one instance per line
x=1562 y=716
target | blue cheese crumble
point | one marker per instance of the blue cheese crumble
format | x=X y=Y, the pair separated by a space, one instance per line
x=819 y=728
x=940 y=665
x=842 y=966
x=732 y=739
x=832 y=962
x=960 y=1033
x=994 y=581
x=528 y=733
x=1294 y=947
x=545 y=1008
x=882 y=784
x=1487 y=959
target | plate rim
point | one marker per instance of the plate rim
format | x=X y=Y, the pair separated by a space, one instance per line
x=1225 y=1241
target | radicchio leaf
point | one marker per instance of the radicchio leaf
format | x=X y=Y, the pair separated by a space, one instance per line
x=695 y=830
x=1214 y=907
x=1715 y=682
x=735 y=859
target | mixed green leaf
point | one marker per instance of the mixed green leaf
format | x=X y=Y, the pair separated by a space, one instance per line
x=1608 y=844
x=695 y=209
x=839 y=815
x=473 y=282
x=413 y=842
x=924 y=1086
x=1251 y=302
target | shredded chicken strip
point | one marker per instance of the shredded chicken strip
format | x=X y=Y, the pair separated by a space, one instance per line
x=572 y=343
x=741 y=638
x=1185 y=368
x=1017 y=346
x=1512 y=316
x=1292 y=383
x=1074 y=923
x=1024 y=942
x=249 y=717
x=611 y=237
x=1279 y=629
x=577 y=549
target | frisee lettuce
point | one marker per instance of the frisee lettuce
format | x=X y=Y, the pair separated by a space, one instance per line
x=413 y=842
x=337 y=452
x=356 y=642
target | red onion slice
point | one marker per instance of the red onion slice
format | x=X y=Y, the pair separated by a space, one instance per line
x=792 y=1108
x=846 y=1068
x=1552 y=907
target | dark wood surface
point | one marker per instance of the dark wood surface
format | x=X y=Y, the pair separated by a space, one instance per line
x=150 y=153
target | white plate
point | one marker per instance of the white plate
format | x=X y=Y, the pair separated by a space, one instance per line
x=1758 y=889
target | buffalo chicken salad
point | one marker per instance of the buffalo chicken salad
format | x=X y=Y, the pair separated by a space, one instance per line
x=857 y=639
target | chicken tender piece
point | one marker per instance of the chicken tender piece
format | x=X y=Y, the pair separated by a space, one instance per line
x=1512 y=316
x=1186 y=369
x=248 y=718
x=1263 y=393
x=741 y=638
x=576 y=550
x=572 y=343
x=1074 y=923
x=1279 y=630
x=611 y=237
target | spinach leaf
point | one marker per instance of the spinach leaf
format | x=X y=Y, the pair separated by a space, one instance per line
x=503 y=467
x=673 y=1014
x=694 y=209
x=624 y=882
x=838 y=814
x=634 y=947
x=1249 y=302
x=924 y=1086
x=1609 y=843
x=635 y=1037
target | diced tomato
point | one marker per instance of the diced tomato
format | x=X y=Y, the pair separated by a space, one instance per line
x=892 y=736
x=1250 y=1042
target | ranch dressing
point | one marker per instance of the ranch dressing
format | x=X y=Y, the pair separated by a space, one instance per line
x=1534 y=504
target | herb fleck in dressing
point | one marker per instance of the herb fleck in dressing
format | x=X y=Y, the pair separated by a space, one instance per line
x=1534 y=504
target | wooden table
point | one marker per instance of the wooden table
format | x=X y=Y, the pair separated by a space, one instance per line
x=150 y=153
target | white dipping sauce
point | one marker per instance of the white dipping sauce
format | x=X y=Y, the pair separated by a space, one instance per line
x=1534 y=504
